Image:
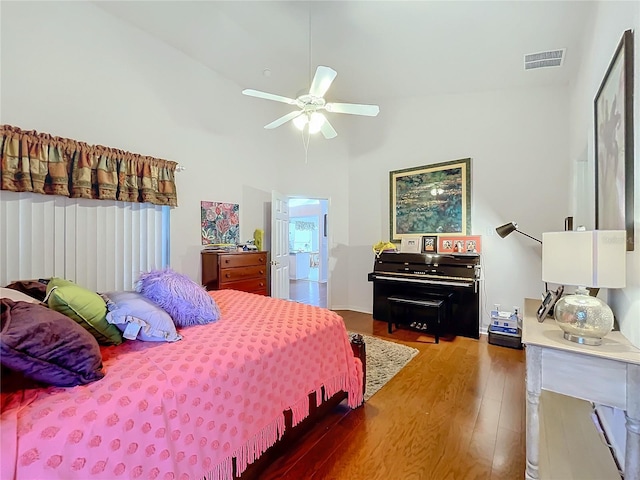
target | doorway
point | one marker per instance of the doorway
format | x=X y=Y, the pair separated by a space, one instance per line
x=308 y=251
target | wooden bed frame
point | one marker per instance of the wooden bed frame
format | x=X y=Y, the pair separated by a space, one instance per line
x=292 y=434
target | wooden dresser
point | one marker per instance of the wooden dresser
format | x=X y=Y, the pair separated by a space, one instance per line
x=246 y=271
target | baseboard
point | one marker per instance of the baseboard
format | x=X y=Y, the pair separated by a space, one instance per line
x=352 y=309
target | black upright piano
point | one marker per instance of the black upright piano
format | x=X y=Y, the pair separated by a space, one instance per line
x=454 y=278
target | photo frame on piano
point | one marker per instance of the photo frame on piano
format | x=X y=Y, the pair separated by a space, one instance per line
x=430 y=244
x=410 y=244
x=459 y=244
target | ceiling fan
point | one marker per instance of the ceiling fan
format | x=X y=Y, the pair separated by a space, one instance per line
x=311 y=104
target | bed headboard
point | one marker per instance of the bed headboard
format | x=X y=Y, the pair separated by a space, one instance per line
x=103 y=245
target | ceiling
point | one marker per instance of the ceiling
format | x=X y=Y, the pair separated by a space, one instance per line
x=382 y=50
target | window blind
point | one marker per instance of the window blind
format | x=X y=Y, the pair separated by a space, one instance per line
x=100 y=245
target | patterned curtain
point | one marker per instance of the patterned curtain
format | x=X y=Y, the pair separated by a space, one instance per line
x=40 y=163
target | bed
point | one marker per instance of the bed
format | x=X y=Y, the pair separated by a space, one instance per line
x=206 y=406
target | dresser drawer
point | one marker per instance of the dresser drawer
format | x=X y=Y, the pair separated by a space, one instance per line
x=253 y=285
x=247 y=271
x=242 y=260
x=239 y=273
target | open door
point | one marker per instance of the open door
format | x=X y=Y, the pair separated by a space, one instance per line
x=279 y=246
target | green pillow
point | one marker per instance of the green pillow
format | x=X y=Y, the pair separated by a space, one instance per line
x=85 y=307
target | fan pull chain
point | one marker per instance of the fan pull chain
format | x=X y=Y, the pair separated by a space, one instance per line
x=305 y=144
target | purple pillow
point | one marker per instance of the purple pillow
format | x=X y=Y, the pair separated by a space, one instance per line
x=47 y=346
x=183 y=299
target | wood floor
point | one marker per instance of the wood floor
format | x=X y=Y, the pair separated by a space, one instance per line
x=310 y=292
x=456 y=411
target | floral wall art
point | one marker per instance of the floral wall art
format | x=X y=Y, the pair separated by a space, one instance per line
x=219 y=223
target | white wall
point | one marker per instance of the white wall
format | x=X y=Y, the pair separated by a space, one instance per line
x=517 y=144
x=72 y=70
x=610 y=21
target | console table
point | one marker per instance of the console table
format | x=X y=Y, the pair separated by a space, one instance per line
x=608 y=374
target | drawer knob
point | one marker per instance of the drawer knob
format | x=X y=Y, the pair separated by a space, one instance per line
x=261 y=272
x=228 y=275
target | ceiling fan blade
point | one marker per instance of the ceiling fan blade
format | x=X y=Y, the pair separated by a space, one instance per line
x=327 y=130
x=283 y=119
x=353 y=109
x=268 y=96
x=322 y=81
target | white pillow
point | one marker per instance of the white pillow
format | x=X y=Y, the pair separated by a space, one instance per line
x=16 y=295
x=139 y=318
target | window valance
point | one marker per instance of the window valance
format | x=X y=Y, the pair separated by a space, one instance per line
x=38 y=162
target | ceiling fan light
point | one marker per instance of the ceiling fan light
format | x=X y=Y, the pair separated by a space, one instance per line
x=300 y=121
x=315 y=122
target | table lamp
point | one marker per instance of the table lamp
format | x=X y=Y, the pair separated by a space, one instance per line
x=584 y=259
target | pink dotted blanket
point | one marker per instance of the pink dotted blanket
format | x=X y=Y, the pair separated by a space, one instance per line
x=183 y=410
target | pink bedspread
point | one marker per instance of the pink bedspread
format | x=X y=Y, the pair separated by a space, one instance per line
x=182 y=410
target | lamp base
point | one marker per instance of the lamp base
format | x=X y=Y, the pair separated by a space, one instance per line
x=583 y=319
x=582 y=340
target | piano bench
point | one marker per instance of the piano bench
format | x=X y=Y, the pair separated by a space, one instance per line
x=439 y=305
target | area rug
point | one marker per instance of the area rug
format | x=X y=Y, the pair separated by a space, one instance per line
x=384 y=360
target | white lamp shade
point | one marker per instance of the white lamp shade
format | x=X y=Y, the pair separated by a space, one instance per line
x=585 y=258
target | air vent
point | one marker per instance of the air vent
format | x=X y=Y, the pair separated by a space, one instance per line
x=552 y=58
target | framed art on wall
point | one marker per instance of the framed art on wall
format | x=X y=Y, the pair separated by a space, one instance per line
x=219 y=223
x=430 y=200
x=613 y=109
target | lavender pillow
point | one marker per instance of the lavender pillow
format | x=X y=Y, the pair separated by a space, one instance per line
x=138 y=318
x=183 y=299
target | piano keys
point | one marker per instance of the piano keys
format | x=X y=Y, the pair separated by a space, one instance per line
x=454 y=278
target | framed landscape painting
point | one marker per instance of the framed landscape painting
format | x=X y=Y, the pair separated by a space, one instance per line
x=613 y=109
x=430 y=200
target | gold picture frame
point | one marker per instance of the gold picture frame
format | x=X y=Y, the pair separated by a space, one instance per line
x=430 y=200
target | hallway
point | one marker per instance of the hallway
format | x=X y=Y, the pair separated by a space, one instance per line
x=309 y=292
x=308 y=250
